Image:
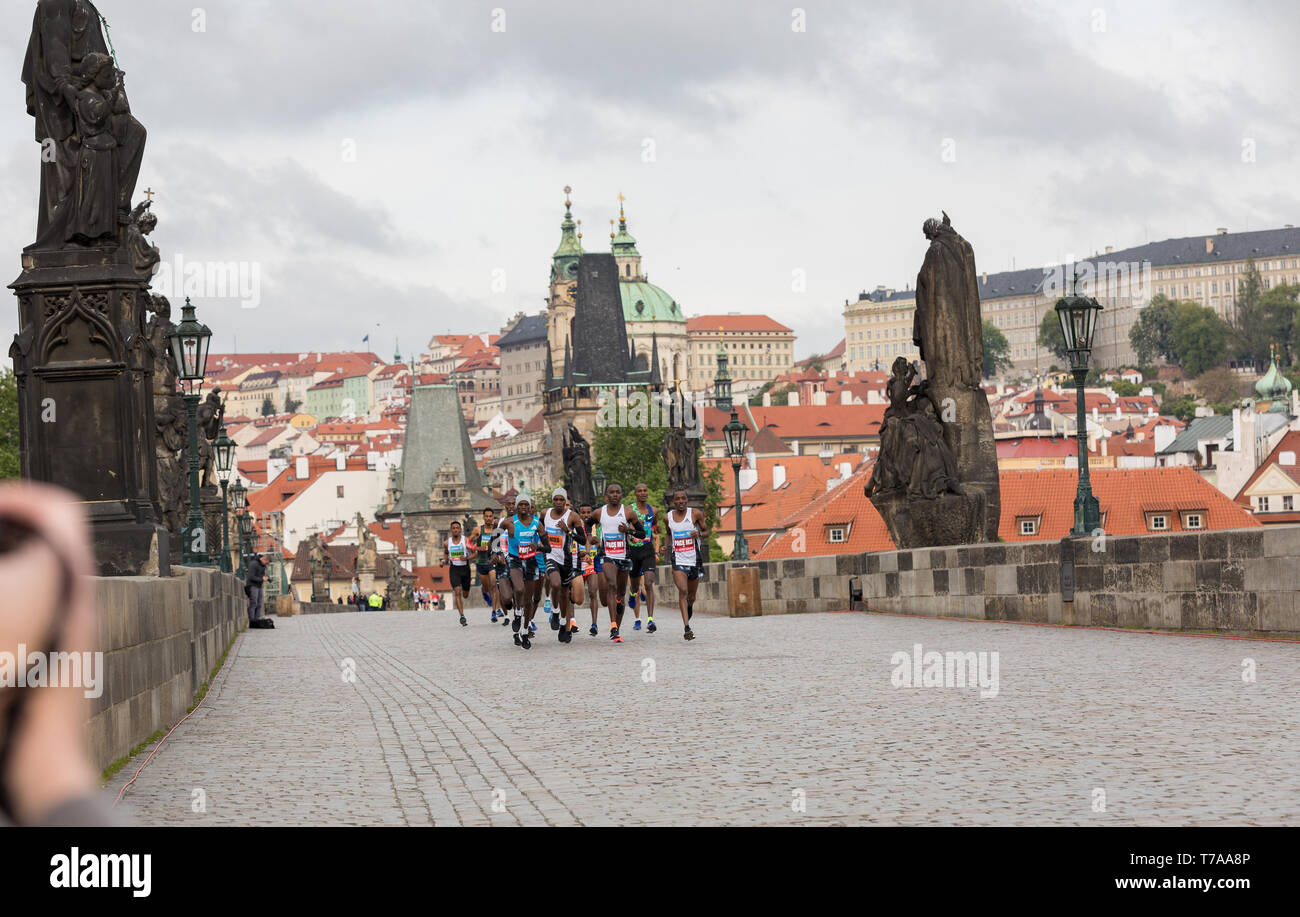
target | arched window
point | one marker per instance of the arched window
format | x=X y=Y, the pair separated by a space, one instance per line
x=627 y=270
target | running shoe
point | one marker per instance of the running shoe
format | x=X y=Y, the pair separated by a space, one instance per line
x=505 y=619
x=631 y=603
x=525 y=642
x=595 y=631
x=514 y=624
x=613 y=635
x=689 y=635
x=518 y=642
x=532 y=627
x=650 y=625
x=637 y=625
x=463 y=622
x=494 y=617
x=555 y=620
x=565 y=634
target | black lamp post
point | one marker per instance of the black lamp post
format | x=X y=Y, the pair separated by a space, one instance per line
x=722 y=384
x=734 y=433
x=598 y=480
x=238 y=498
x=1078 y=317
x=245 y=540
x=224 y=448
x=189 y=343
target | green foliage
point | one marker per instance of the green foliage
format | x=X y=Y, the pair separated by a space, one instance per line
x=997 y=352
x=1050 y=337
x=1183 y=407
x=268 y=407
x=1152 y=335
x=1200 y=338
x=291 y=405
x=1220 y=386
x=1125 y=389
x=781 y=397
x=1252 y=327
x=1281 y=307
x=9 y=463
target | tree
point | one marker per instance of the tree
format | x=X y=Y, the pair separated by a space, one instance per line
x=9 y=462
x=1281 y=308
x=1182 y=407
x=291 y=405
x=1152 y=335
x=1251 y=330
x=1219 y=385
x=1200 y=338
x=997 y=352
x=1125 y=389
x=1050 y=337
x=268 y=407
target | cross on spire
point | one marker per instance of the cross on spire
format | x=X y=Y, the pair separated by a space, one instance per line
x=149 y=193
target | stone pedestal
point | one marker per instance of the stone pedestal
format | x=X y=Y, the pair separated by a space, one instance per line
x=320 y=590
x=84 y=370
x=210 y=507
x=744 y=597
x=948 y=519
x=367 y=580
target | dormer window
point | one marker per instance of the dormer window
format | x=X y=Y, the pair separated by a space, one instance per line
x=836 y=534
x=1027 y=525
x=1158 y=522
x=1194 y=520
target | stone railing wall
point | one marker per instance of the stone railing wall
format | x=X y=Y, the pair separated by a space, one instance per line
x=1238 y=581
x=161 y=638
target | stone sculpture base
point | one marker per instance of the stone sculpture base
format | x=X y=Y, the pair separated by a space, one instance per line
x=949 y=519
x=320 y=590
x=970 y=436
x=366 y=579
x=85 y=397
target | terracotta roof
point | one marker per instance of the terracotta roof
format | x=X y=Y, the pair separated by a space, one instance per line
x=267 y=435
x=802 y=422
x=846 y=507
x=253 y=470
x=1122 y=494
x=765 y=508
x=536 y=425
x=705 y=323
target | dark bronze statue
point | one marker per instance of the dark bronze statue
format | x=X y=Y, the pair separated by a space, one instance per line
x=935 y=479
x=577 y=468
x=91 y=145
x=681 y=455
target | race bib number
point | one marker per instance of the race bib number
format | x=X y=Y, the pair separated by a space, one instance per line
x=526 y=550
x=556 y=539
x=457 y=552
x=615 y=545
x=683 y=544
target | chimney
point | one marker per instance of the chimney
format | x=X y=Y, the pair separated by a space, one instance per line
x=767 y=399
x=1236 y=430
x=340 y=462
x=301 y=468
x=1164 y=435
x=819 y=399
x=846 y=397
x=1223 y=230
x=1209 y=246
x=1094 y=412
x=794 y=400
x=984 y=278
x=794 y=446
x=778 y=475
x=1109 y=249
x=845 y=470
x=1104 y=440
x=748 y=478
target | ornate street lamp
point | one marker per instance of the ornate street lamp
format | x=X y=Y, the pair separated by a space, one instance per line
x=722 y=383
x=734 y=433
x=1078 y=317
x=599 y=480
x=245 y=539
x=224 y=449
x=238 y=499
x=189 y=345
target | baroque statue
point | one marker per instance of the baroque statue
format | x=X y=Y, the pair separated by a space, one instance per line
x=91 y=144
x=577 y=468
x=935 y=479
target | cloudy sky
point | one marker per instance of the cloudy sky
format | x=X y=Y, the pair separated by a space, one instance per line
x=396 y=167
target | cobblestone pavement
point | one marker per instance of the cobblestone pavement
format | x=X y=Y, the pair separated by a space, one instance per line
x=775 y=720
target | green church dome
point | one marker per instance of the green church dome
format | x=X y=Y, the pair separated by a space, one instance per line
x=645 y=302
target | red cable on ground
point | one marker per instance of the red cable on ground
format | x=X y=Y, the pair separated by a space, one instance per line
x=158 y=746
x=1118 y=630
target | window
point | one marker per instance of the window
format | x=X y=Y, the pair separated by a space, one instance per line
x=340 y=492
x=1158 y=522
x=835 y=535
x=1028 y=526
x=1288 y=503
x=1193 y=521
x=1261 y=504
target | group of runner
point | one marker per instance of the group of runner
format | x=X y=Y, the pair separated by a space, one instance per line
x=568 y=557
